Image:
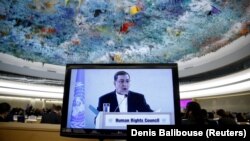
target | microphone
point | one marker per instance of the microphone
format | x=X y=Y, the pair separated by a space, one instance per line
x=93 y=109
x=125 y=96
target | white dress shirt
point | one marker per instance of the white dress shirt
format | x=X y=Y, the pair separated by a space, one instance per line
x=122 y=102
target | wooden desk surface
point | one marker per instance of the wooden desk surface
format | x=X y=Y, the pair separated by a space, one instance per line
x=14 y=131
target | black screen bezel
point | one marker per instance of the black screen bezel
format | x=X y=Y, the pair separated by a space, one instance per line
x=109 y=133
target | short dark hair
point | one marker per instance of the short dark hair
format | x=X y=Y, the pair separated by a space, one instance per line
x=221 y=113
x=194 y=107
x=4 y=107
x=120 y=73
x=58 y=108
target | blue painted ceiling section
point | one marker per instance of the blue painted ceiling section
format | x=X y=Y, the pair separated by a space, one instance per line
x=119 y=31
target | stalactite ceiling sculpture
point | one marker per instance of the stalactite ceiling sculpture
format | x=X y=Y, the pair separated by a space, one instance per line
x=119 y=31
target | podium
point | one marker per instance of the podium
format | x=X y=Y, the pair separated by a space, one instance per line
x=120 y=120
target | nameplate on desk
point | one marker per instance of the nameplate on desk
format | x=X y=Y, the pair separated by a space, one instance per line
x=121 y=120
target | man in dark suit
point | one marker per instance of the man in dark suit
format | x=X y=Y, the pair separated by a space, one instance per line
x=122 y=99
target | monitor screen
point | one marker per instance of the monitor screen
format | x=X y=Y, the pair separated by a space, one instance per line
x=100 y=100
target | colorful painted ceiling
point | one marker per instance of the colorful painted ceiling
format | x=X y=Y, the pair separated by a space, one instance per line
x=119 y=31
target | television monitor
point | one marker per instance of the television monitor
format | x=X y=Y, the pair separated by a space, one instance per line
x=86 y=113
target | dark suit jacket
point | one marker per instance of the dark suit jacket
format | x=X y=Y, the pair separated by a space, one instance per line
x=51 y=118
x=136 y=102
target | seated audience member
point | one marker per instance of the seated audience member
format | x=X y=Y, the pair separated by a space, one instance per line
x=206 y=119
x=240 y=118
x=224 y=118
x=4 y=110
x=21 y=116
x=210 y=115
x=248 y=116
x=195 y=115
x=53 y=117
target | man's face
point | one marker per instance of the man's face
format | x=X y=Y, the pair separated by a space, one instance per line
x=122 y=84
